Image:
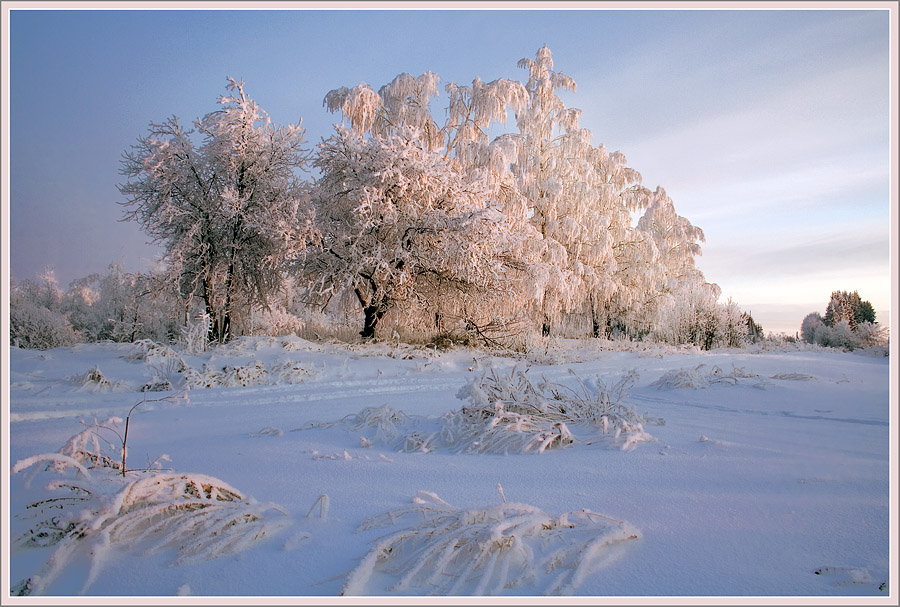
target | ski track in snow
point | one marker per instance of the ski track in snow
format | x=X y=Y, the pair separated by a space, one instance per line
x=86 y=404
x=681 y=403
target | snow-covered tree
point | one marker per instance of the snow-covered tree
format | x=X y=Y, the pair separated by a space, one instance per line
x=399 y=224
x=582 y=199
x=689 y=315
x=229 y=209
x=811 y=322
x=656 y=261
x=573 y=203
x=485 y=238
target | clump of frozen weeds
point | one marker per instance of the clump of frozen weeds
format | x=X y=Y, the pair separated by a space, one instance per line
x=147 y=350
x=794 y=377
x=511 y=413
x=94 y=381
x=376 y=425
x=93 y=509
x=702 y=376
x=252 y=374
x=485 y=551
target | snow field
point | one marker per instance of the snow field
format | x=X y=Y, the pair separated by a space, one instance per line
x=749 y=487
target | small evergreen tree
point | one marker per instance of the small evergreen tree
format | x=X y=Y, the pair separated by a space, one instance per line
x=850 y=307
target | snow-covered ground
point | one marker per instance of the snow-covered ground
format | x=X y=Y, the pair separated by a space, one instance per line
x=759 y=472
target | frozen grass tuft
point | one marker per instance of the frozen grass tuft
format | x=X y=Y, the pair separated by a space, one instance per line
x=702 y=377
x=251 y=374
x=377 y=425
x=94 y=381
x=511 y=413
x=93 y=509
x=486 y=551
x=793 y=377
x=147 y=350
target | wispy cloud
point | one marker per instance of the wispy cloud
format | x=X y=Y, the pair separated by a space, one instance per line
x=832 y=253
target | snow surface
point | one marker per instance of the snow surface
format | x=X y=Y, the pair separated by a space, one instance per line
x=768 y=472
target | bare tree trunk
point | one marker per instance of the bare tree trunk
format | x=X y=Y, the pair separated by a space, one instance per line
x=373 y=314
x=373 y=307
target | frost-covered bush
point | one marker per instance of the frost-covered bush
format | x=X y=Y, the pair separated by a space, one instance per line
x=252 y=374
x=213 y=376
x=195 y=334
x=93 y=381
x=35 y=327
x=93 y=510
x=164 y=362
x=703 y=376
x=510 y=413
x=291 y=372
x=842 y=336
x=871 y=334
x=150 y=352
x=507 y=547
x=274 y=322
x=376 y=425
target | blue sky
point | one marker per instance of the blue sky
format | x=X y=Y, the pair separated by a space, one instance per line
x=768 y=128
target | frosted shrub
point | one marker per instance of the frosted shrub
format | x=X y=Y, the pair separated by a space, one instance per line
x=511 y=413
x=501 y=431
x=865 y=334
x=148 y=351
x=872 y=335
x=842 y=336
x=291 y=372
x=486 y=551
x=164 y=362
x=251 y=374
x=87 y=449
x=35 y=327
x=195 y=335
x=275 y=321
x=377 y=425
x=227 y=376
x=94 y=509
x=94 y=381
x=165 y=375
x=702 y=376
